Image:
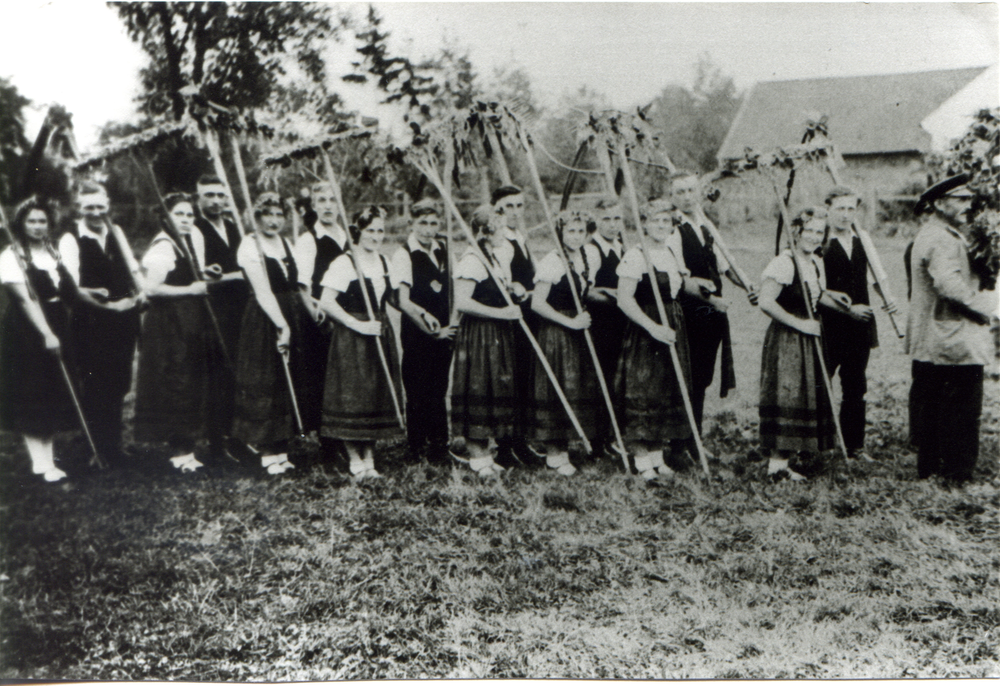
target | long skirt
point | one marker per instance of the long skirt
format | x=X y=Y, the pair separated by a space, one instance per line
x=795 y=412
x=567 y=354
x=34 y=398
x=484 y=400
x=172 y=389
x=263 y=414
x=357 y=400
x=650 y=403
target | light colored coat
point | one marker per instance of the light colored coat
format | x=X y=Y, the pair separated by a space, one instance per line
x=936 y=330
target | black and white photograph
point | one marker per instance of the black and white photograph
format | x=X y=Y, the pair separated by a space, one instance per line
x=330 y=347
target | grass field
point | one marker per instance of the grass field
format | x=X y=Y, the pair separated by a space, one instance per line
x=863 y=571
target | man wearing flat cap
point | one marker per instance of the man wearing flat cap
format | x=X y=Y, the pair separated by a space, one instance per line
x=947 y=337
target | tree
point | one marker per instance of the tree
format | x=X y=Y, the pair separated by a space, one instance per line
x=695 y=121
x=242 y=54
x=13 y=143
x=977 y=154
x=513 y=86
x=398 y=77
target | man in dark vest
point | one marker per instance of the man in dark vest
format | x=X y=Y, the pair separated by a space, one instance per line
x=420 y=271
x=704 y=314
x=315 y=251
x=609 y=321
x=228 y=293
x=105 y=320
x=848 y=336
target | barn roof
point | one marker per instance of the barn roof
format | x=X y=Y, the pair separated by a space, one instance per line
x=867 y=114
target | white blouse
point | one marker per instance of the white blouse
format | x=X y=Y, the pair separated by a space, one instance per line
x=342 y=272
x=633 y=266
x=10 y=271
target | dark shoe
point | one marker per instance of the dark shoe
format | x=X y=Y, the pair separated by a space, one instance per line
x=438 y=455
x=526 y=455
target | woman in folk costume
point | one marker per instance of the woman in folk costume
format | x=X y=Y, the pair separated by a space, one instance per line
x=358 y=407
x=795 y=413
x=484 y=400
x=277 y=313
x=34 y=398
x=561 y=337
x=647 y=388
x=172 y=385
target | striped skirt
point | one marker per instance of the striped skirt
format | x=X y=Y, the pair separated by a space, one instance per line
x=357 y=400
x=567 y=354
x=172 y=383
x=484 y=400
x=263 y=414
x=795 y=412
x=649 y=398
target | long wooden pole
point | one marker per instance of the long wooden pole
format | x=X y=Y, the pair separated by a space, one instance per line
x=95 y=458
x=660 y=310
x=332 y=180
x=817 y=343
x=875 y=267
x=191 y=260
x=427 y=168
x=540 y=190
x=449 y=240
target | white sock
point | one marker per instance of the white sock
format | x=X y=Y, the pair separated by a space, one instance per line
x=643 y=463
x=41 y=452
x=478 y=464
x=557 y=459
x=776 y=464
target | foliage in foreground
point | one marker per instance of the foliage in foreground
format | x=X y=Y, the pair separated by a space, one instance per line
x=862 y=572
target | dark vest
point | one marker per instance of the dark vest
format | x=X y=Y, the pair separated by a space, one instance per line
x=216 y=250
x=327 y=250
x=522 y=269
x=425 y=276
x=561 y=297
x=353 y=302
x=181 y=274
x=644 y=293
x=104 y=267
x=280 y=283
x=488 y=293
x=45 y=289
x=607 y=273
x=700 y=259
x=847 y=274
x=791 y=297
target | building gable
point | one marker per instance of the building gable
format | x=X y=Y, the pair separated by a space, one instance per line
x=866 y=114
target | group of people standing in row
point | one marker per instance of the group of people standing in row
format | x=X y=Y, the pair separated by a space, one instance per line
x=310 y=318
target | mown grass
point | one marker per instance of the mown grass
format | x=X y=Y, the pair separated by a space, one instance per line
x=863 y=571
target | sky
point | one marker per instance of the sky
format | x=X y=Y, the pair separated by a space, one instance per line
x=627 y=51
